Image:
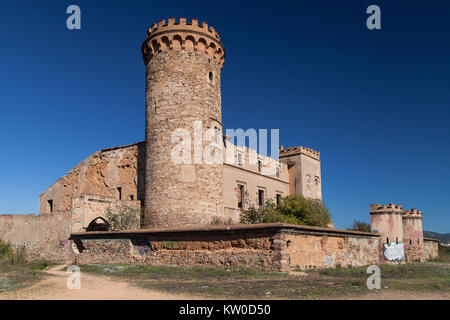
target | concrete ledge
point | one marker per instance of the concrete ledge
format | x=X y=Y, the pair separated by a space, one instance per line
x=231 y=229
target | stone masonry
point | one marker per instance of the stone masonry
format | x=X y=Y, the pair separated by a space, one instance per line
x=183 y=64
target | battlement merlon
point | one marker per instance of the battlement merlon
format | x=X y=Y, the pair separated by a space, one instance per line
x=391 y=208
x=413 y=213
x=299 y=150
x=183 y=35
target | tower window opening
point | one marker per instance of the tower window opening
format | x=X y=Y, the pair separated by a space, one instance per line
x=216 y=135
x=387 y=240
x=259 y=165
x=119 y=193
x=131 y=197
x=50 y=205
x=211 y=76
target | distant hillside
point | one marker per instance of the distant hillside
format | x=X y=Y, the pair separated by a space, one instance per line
x=443 y=237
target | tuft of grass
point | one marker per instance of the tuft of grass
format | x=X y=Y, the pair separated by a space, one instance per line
x=15 y=271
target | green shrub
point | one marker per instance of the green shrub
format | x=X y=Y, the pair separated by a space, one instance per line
x=292 y=209
x=5 y=249
x=217 y=221
x=123 y=218
x=361 y=226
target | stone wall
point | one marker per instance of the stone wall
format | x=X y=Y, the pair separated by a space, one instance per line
x=276 y=247
x=328 y=250
x=43 y=237
x=431 y=249
x=87 y=208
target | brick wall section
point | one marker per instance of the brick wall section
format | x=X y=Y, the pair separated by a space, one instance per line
x=43 y=237
x=276 y=247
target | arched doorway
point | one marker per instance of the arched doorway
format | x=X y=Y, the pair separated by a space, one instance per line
x=98 y=224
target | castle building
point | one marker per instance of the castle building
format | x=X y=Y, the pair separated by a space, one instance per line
x=183 y=63
x=187 y=174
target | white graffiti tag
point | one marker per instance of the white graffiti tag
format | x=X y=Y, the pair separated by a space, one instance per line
x=394 y=251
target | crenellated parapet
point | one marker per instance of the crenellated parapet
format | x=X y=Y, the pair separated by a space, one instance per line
x=391 y=208
x=413 y=213
x=299 y=150
x=185 y=35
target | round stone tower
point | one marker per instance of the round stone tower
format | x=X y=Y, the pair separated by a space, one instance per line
x=388 y=221
x=413 y=235
x=184 y=187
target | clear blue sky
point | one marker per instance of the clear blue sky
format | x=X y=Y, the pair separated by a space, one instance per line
x=376 y=104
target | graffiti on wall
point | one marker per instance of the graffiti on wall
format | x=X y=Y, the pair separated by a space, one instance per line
x=394 y=251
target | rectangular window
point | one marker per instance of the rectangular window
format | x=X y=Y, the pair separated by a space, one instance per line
x=261 y=198
x=119 y=193
x=50 y=206
x=241 y=196
x=259 y=165
x=240 y=159
x=278 y=199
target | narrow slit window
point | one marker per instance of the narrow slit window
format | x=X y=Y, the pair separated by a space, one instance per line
x=50 y=206
x=119 y=193
x=241 y=196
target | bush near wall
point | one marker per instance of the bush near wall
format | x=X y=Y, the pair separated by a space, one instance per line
x=293 y=209
x=123 y=218
x=361 y=226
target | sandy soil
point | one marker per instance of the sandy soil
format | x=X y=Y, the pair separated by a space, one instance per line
x=95 y=287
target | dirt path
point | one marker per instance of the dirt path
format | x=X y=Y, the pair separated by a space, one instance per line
x=93 y=287
x=96 y=287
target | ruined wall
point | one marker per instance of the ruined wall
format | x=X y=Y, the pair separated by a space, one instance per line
x=431 y=249
x=276 y=247
x=43 y=237
x=328 y=250
x=116 y=173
